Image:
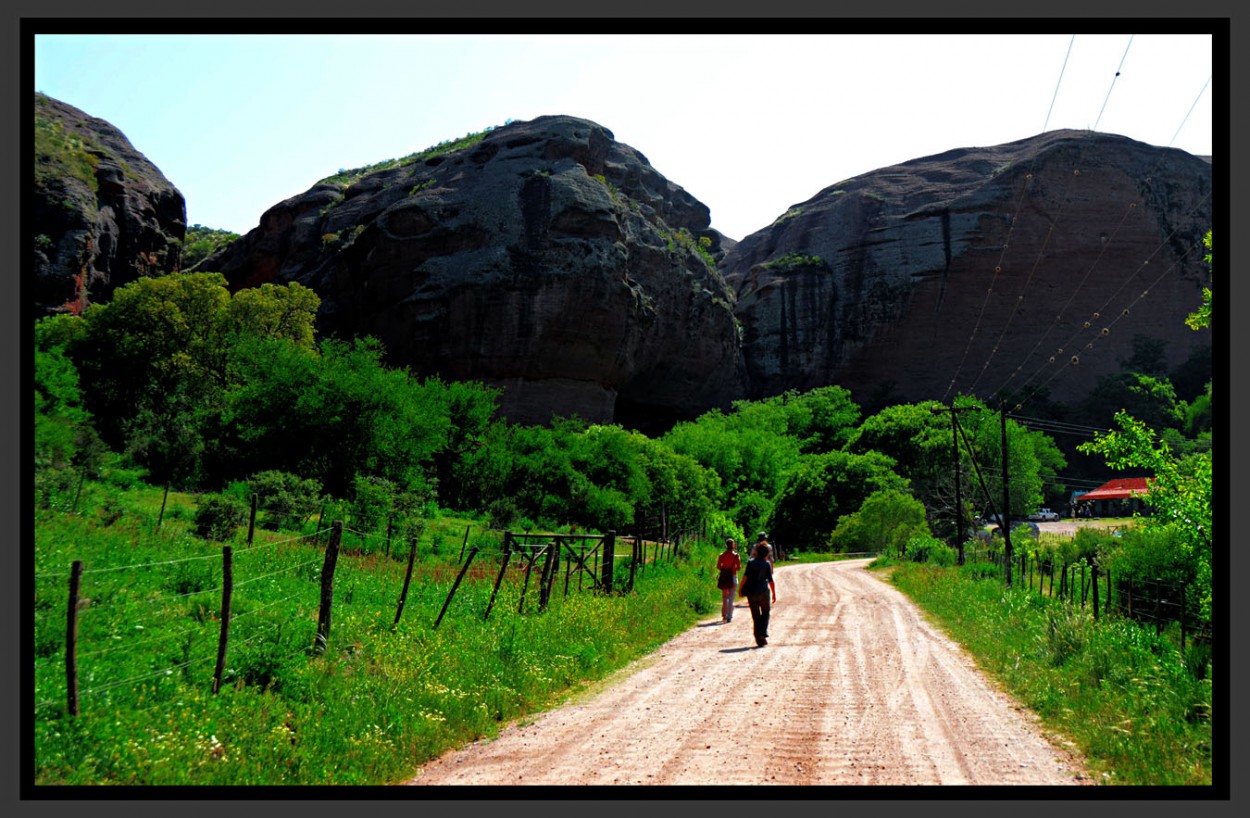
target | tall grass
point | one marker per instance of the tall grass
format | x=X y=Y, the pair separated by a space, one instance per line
x=1123 y=693
x=377 y=704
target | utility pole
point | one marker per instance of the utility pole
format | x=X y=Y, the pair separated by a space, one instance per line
x=958 y=543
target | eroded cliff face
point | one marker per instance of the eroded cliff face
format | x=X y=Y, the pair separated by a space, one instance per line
x=101 y=214
x=547 y=259
x=554 y=262
x=1022 y=269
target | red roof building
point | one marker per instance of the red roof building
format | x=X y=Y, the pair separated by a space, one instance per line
x=1114 y=498
x=1124 y=488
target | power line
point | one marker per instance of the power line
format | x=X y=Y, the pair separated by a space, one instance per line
x=1190 y=111
x=1057 y=82
x=1113 y=79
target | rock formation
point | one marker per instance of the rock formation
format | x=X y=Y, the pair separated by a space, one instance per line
x=1022 y=269
x=549 y=260
x=100 y=214
x=543 y=257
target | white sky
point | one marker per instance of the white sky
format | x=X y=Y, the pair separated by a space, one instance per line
x=749 y=124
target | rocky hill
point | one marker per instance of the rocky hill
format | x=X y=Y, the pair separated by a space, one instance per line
x=542 y=257
x=100 y=214
x=1024 y=268
x=554 y=262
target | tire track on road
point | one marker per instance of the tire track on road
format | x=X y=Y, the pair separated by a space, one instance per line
x=854 y=687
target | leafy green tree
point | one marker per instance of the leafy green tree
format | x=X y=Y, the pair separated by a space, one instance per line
x=1148 y=398
x=66 y=446
x=154 y=360
x=274 y=311
x=1034 y=461
x=59 y=415
x=749 y=449
x=1180 y=488
x=154 y=346
x=331 y=414
x=681 y=490
x=918 y=437
x=821 y=420
x=471 y=411
x=1180 y=491
x=884 y=522
x=823 y=489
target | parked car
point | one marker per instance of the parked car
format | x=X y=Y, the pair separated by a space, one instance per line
x=1044 y=515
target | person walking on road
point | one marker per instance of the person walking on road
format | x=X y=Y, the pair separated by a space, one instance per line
x=757 y=587
x=728 y=564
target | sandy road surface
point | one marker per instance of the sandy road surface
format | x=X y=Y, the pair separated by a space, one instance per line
x=854 y=687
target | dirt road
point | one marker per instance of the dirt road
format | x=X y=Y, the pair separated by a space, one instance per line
x=854 y=687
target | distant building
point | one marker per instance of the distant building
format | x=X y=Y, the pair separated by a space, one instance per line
x=1115 y=498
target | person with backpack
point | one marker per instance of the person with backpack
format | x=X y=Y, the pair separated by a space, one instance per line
x=728 y=564
x=757 y=587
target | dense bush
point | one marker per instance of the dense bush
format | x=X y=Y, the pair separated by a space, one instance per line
x=219 y=515
x=884 y=523
x=286 y=498
x=824 y=488
x=931 y=550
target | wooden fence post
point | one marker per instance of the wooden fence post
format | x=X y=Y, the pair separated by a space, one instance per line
x=467 y=528
x=403 y=595
x=507 y=556
x=390 y=525
x=609 y=560
x=327 y=587
x=251 y=520
x=549 y=569
x=1182 y=619
x=525 y=585
x=71 y=640
x=82 y=476
x=1093 y=578
x=633 y=563
x=455 y=585
x=160 y=518
x=227 y=588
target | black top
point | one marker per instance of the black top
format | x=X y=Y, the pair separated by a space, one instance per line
x=755 y=579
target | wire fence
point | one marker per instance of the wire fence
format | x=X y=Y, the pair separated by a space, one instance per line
x=178 y=618
x=1082 y=582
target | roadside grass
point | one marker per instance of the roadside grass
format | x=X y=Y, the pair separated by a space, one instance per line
x=381 y=701
x=1121 y=692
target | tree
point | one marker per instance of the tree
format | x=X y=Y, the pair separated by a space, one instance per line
x=154 y=360
x=884 y=522
x=824 y=488
x=1180 y=489
x=918 y=437
x=330 y=414
x=1201 y=318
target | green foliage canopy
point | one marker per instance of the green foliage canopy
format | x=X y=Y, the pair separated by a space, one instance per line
x=822 y=489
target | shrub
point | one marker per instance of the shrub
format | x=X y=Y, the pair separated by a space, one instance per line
x=218 y=515
x=884 y=522
x=286 y=497
x=931 y=550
